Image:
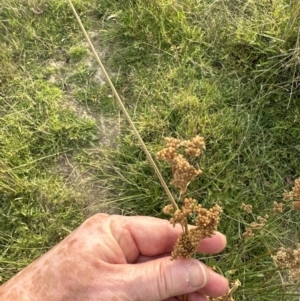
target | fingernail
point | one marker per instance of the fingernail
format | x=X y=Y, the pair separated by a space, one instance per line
x=195 y=274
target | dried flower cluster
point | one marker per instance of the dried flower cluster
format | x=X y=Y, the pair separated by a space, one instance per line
x=296 y=205
x=289 y=259
x=228 y=296
x=248 y=233
x=293 y=195
x=183 y=171
x=261 y=221
x=179 y=216
x=206 y=220
x=246 y=207
x=278 y=207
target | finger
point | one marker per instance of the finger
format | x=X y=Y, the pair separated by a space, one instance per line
x=162 y=278
x=216 y=286
x=151 y=236
x=212 y=245
x=144 y=235
x=207 y=245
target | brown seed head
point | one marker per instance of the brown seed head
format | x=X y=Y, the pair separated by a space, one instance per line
x=168 y=209
x=293 y=195
x=183 y=171
x=247 y=208
x=184 y=247
x=248 y=233
x=290 y=259
x=206 y=224
x=278 y=207
x=296 y=205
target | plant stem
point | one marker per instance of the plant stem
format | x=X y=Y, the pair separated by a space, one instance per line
x=120 y=102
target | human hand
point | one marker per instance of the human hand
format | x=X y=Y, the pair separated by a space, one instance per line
x=118 y=258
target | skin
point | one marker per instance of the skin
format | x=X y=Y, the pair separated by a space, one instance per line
x=118 y=258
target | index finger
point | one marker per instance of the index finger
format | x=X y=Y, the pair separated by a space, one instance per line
x=149 y=236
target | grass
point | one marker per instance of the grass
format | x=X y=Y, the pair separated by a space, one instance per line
x=227 y=70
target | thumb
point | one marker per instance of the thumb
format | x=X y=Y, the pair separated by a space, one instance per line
x=162 y=278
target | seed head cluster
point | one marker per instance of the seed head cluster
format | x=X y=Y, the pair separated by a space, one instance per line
x=246 y=207
x=289 y=259
x=278 y=207
x=206 y=222
x=228 y=297
x=248 y=233
x=183 y=171
x=296 y=205
x=259 y=224
x=294 y=194
x=178 y=153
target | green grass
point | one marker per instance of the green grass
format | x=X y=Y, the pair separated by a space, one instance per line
x=227 y=70
x=37 y=127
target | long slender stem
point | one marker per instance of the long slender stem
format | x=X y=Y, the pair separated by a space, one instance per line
x=186 y=230
x=149 y=157
x=186 y=224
